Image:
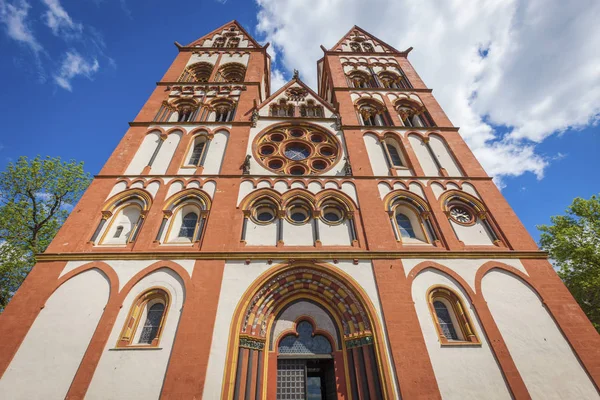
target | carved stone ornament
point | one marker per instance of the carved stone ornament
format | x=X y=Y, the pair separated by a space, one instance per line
x=246 y=166
x=347 y=167
x=255 y=116
x=296 y=93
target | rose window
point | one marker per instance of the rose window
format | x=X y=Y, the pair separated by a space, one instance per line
x=297 y=150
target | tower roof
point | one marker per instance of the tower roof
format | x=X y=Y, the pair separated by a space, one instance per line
x=231 y=24
x=357 y=32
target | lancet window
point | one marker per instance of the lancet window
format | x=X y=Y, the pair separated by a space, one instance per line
x=451 y=318
x=372 y=113
x=310 y=110
x=146 y=319
x=184 y=218
x=413 y=115
x=282 y=109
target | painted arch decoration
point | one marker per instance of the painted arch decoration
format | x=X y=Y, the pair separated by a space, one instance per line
x=361 y=367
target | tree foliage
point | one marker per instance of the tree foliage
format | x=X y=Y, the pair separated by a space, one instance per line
x=36 y=196
x=573 y=242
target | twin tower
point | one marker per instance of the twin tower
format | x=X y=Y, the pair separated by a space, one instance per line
x=337 y=244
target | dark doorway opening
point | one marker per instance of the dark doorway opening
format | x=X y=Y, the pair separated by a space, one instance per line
x=306 y=379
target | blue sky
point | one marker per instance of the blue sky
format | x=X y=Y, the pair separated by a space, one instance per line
x=74 y=72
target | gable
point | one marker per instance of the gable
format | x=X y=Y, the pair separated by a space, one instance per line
x=230 y=35
x=358 y=40
x=297 y=95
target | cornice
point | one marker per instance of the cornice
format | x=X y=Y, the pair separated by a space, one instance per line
x=401 y=128
x=294 y=255
x=403 y=54
x=176 y=83
x=191 y=123
x=308 y=177
x=413 y=90
x=223 y=49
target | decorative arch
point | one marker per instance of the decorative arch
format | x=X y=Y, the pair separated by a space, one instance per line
x=396 y=201
x=372 y=112
x=193 y=202
x=197 y=72
x=231 y=72
x=413 y=113
x=341 y=296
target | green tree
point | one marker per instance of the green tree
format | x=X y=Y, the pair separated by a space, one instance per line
x=36 y=196
x=573 y=243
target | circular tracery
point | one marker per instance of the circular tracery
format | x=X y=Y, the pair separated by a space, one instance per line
x=297 y=150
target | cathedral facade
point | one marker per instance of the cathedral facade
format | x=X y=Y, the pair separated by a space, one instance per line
x=337 y=244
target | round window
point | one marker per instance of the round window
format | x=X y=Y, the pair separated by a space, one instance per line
x=461 y=214
x=297 y=170
x=267 y=150
x=298 y=215
x=332 y=214
x=265 y=214
x=298 y=150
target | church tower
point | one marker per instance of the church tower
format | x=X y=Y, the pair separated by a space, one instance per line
x=342 y=243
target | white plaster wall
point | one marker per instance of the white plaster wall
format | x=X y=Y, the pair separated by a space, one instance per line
x=206 y=57
x=237 y=277
x=216 y=152
x=118 y=188
x=261 y=235
x=298 y=235
x=384 y=189
x=144 y=153
x=234 y=58
x=376 y=155
x=350 y=190
x=462 y=372
x=440 y=149
x=475 y=234
x=335 y=235
x=138 y=374
x=466 y=268
x=543 y=357
x=165 y=154
x=48 y=358
x=427 y=163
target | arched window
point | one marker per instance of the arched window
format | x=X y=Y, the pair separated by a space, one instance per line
x=197 y=152
x=394 y=155
x=152 y=324
x=123 y=224
x=231 y=73
x=310 y=109
x=373 y=114
x=391 y=80
x=224 y=110
x=188 y=225
x=184 y=218
x=405 y=226
x=187 y=110
x=355 y=47
x=198 y=72
x=451 y=318
x=410 y=221
x=368 y=47
x=445 y=321
x=282 y=109
x=219 y=42
x=359 y=79
x=413 y=115
x=233 y=42
x=145 y=322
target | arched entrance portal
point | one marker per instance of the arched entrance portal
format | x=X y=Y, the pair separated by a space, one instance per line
x=306 y=332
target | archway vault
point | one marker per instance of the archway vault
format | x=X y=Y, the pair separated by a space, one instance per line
x=362 y=368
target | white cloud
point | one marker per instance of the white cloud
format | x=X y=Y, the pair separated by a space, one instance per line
x=510 y=73
x=73 y=65
x=59 y=21
x=14 y=18
x=277 y=80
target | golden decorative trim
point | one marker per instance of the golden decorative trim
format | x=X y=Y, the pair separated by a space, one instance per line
x=402 y=128
x=296 y=255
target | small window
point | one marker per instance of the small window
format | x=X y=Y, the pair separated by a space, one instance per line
x=368 y=47
x=197 y=153
x=451 y=318
x=298 y=215
x=395 y=158
x=118 y=232
x=152 y=324
x=188 y=225
x=219 y=42
x=405 y=226
x=224 y=112
x=355 y=47
x=145 y=321
x=443 y=315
